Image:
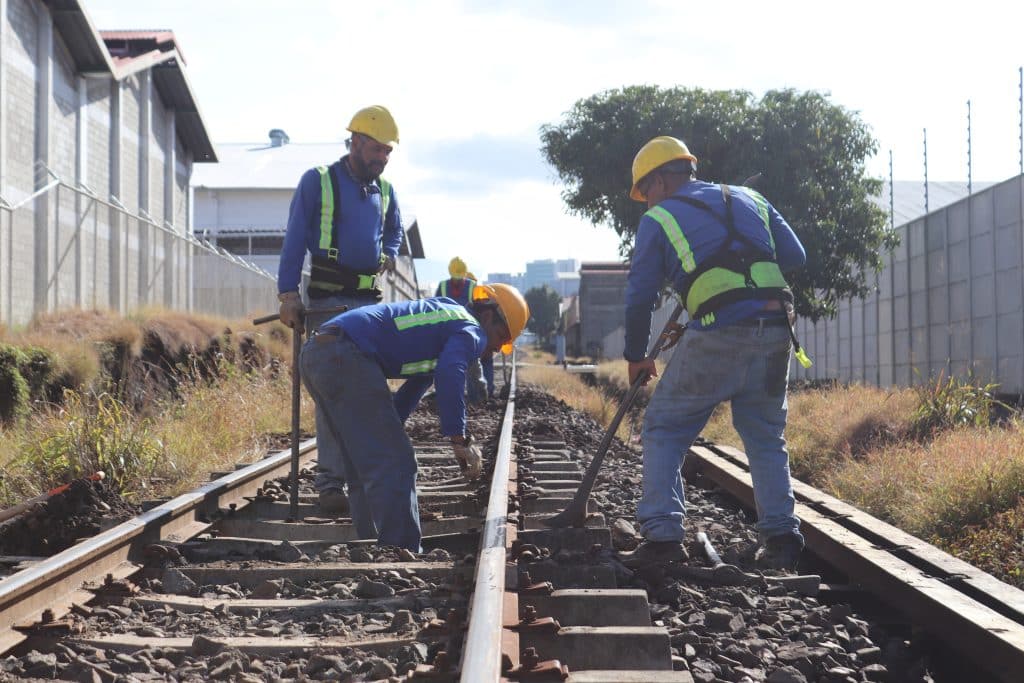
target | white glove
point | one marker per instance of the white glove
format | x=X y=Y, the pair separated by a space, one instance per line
x=387 y=264
x=469 y=458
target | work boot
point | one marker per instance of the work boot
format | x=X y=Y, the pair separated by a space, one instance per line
x=780 y=552
x=334 y=502
x=655 y=552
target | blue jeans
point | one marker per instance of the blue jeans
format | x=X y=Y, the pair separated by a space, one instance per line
x=748 y=366
x=329 y=470
x=376 y=456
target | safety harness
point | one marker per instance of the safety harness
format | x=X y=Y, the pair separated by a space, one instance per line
x=728 y=275
x=327 y=275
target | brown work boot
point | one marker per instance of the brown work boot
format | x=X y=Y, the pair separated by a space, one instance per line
x=334 y=502
x=655 y=552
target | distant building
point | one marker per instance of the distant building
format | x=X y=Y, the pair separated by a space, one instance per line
x=601 y=304
x=560 y=275
x=241 y=204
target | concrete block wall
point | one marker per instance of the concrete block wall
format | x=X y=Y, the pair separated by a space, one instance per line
x=950 y=299
x=66 y=248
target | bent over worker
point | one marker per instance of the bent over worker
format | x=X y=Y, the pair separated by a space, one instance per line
x=723 y=249
x=345 y=366
x=346 y=217
x=459 y=288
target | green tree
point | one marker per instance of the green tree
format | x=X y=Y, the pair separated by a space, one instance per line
x=810 y=154
x=544 y=303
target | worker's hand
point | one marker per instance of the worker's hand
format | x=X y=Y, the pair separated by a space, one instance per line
x=387 y=264
x=642 y=366
x=468 y=456
x=292 y=311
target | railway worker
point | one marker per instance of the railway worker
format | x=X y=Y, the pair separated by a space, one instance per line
x=487 y=362
x=723 y=249
x=346 y=216
x=458 y=287
x=345 y=366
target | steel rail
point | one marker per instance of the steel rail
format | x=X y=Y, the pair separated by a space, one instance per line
x=481 y=652
x=57 y=581
x=989 y=632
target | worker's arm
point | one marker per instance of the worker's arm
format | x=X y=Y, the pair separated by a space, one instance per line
x=450 y=380
x=303 y=217
x=393 y=229
x=646 y=276
x=789 y=252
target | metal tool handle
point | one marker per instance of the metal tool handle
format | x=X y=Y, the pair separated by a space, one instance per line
x=575 y=513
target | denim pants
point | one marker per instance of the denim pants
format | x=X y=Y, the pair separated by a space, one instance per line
x=330 y=474
x=376 y=457
x=748 y=366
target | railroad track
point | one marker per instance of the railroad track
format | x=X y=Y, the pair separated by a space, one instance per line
x=220 y=584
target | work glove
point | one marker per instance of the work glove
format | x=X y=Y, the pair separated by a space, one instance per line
x=387 y=264
x=292 y=311
x=468 y=456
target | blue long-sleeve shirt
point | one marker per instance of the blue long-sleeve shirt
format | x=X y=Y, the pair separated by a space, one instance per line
x=426 y=337
x=655 y=259
x=361 y=235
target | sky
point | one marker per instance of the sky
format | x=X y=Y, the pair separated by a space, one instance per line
x=470 y=83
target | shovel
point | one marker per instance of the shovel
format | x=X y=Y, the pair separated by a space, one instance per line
x=576 y=512
x=293 y=509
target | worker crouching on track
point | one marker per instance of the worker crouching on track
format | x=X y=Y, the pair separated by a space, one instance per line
x=345 y=366
x=723 y=249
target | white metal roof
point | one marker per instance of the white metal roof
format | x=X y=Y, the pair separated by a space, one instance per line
x=262 y=166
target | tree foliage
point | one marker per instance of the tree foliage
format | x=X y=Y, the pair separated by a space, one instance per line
x=810 y=153
x=544 y=303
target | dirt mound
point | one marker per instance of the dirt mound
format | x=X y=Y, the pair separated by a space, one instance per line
x=84 y=509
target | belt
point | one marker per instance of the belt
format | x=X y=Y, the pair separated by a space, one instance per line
x=774 y=321
x=323 y=333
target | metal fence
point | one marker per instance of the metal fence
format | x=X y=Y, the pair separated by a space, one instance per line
x=65 y=247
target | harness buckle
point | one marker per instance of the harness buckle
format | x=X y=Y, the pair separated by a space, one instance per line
x=367 y=281
x=332 y=253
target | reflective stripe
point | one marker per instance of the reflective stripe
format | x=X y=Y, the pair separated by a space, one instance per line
x=444 y=288
x=675 y=235
x=385 y=200
x=418 y=367
x=326 y=207
x=762 y=210
x=404 y=322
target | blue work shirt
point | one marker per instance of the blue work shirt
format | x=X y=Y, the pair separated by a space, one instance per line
x=425 y=337
x=459 y=289
x=655 y=259
x=361 y=236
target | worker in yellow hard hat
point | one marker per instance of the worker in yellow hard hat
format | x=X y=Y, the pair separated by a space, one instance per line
x=459 y=288
x=346 y=216
x=724 y=250
x=346 y=365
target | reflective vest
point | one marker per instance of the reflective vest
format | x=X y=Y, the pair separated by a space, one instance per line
x=326 y=273
x=727 y=276
x=443 y=315
x=466 y=293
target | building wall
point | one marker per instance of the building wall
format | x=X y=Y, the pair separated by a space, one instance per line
x=601 y=300
x=107 y=142
x=950 y=299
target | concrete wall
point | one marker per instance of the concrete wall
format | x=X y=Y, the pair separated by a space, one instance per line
x=88 y=146
x=950 y=299
x=601 y=310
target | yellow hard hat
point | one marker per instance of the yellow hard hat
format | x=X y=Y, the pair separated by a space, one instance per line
x=655 y=153
x=512 y=304
x=457 y=267
x=375 y=122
